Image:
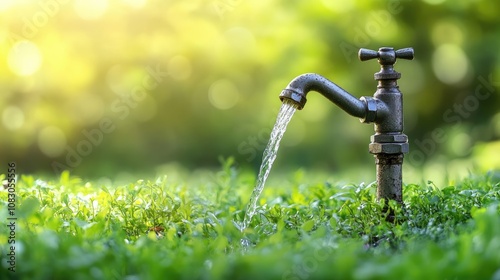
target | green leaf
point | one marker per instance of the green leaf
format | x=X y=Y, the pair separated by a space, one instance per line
x=308 y=226
x=28 y=206
x=83 y=224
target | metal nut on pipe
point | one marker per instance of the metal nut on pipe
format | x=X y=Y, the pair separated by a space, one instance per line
x=389 y=138
x=371 y=109
x=388 y=148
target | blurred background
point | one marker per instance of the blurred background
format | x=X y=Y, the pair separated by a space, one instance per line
x=107 y=87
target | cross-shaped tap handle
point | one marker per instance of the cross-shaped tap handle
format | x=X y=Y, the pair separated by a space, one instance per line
x=386 y=55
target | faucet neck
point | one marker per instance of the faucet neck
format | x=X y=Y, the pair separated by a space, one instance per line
x=387 y=72
x=389 y=83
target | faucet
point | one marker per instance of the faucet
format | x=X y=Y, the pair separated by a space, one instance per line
x=384 y=109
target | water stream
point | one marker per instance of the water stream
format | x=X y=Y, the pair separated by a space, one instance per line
x=284 y=116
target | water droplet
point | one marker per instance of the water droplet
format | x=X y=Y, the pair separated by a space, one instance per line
x=245 y=243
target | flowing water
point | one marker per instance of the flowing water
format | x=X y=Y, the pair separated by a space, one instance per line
x=284 y=116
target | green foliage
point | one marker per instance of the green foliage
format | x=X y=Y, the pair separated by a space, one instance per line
x=169 y=229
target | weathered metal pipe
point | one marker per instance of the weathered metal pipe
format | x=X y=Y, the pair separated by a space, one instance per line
x=384 y=109
x=365 y=108
x=301 y=85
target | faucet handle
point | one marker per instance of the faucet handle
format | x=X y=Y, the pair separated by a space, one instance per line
x=366 y=54
x=386 y=55
x=406 y=53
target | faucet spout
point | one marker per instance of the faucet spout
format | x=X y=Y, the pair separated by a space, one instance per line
x=298 y=88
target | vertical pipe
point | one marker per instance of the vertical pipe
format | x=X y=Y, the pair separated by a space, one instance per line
x=389 y=176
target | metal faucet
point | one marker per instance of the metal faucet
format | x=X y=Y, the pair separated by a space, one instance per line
x=384 y=109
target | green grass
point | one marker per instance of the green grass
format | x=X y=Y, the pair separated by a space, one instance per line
x=164 y=229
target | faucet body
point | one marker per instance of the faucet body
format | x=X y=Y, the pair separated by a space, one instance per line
x=384 y=109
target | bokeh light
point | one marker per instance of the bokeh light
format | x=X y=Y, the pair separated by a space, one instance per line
x=460 y=143
x=450 y=63
x=12 y=117
x=51 y=141
x=486 y=155
x=241 y=40
x=447 y=32
x=24 y=58
x=223 y=94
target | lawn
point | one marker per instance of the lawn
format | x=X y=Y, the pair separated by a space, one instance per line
x=169 y=228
